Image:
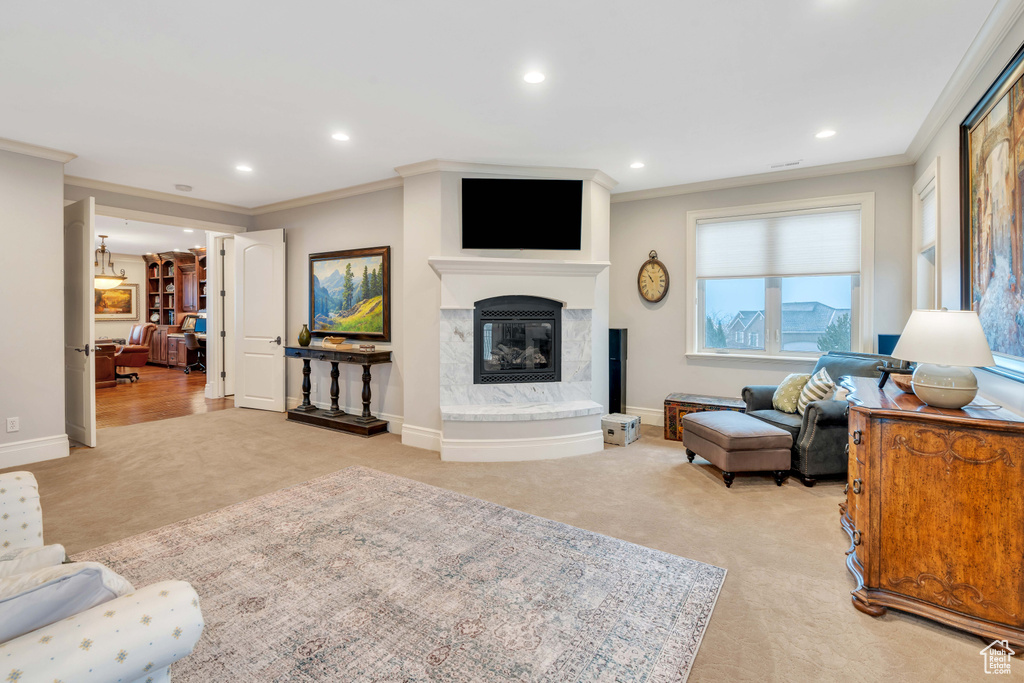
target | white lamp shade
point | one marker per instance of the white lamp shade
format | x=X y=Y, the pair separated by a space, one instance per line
x=944 y=338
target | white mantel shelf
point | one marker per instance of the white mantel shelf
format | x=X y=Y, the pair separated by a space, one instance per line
x=473 y=265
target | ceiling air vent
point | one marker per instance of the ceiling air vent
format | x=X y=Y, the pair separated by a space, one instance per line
x=786 y=164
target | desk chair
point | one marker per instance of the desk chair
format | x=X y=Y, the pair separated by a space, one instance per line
x=192 y=344
x=135 y=353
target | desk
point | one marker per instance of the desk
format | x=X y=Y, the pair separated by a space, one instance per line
x=105 y=370
x=335 y=418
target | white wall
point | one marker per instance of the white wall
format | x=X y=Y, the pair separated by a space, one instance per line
x=368 y=220
x=945 y=146
x=32 y=308
x=657 y=364
x=135 y=270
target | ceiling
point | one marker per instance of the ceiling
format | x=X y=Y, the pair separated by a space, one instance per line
x=154 y=94
x=137 y=238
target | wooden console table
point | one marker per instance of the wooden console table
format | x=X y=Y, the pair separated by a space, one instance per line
x=336 y=418
x=935 y=511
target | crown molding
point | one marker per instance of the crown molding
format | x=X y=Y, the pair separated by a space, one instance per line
x=997 y=26
x=36 y=151
x=90 y=184
x=365 y=188
x=875 y=164
x=434 y=165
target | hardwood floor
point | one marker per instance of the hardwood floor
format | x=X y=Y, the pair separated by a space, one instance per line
x=159 y=394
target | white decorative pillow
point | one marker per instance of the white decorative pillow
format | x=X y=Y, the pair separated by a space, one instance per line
x=22 y=560
x=818 y=388
x=36 y=599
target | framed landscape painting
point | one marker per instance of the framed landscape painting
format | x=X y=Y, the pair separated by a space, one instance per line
x=992 y=208
x=117 y=303
x=350 y=294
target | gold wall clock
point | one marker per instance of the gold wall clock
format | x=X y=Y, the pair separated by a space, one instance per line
x=652 y=280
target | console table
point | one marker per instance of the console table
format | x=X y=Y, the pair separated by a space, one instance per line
x=935 y=511
x=336 y=418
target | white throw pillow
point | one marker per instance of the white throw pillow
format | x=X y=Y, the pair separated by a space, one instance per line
x=22 y=560
x=819 y=387
x=36 y=599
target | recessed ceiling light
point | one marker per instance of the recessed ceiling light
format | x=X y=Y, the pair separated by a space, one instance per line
x=243 y=168
x=534 y=77
x=183 y=188
x=187 y=229
x=825 y=134
x=637 y=164
x=340 y=137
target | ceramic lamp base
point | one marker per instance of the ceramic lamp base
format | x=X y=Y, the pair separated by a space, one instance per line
x=945 y=386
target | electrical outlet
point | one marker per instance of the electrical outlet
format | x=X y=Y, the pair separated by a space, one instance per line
x=13 y=424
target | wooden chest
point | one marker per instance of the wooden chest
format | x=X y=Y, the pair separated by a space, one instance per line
x=678 y=405
x=935 y=511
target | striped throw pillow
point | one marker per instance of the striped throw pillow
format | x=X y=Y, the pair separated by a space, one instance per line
x=818 y=387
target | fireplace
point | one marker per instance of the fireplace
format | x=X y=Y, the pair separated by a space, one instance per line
x=517 y=339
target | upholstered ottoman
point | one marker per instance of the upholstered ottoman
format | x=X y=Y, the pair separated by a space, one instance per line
x=736 y=442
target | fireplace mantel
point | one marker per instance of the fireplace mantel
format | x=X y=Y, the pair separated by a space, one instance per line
x=480 y=265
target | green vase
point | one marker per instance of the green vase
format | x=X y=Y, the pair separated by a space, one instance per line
x=304 y=336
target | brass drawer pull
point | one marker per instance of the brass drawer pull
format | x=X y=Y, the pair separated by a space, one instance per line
x=857 y=486
x=846 y=449
x=856 y=536
x=856 y=437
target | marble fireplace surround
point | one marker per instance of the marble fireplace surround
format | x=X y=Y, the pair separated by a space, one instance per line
x=492 y=422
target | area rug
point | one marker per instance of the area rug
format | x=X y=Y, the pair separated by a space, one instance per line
x=365 y=576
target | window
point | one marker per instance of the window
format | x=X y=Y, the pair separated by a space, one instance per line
x=924 y=269
x=781 y=279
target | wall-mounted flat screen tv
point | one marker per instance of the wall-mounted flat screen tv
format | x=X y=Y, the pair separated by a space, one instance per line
x=521 y=214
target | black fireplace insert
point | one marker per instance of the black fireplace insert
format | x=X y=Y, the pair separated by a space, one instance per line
x=517 y=339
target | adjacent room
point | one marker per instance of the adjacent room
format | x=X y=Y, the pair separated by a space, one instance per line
x=465 y=343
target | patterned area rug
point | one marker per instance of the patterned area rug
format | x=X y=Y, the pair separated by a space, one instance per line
x=365 y=576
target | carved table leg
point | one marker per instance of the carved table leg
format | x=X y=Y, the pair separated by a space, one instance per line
x=728 y=476
x=366 y=416
x=306 y=406
x=690 y=455
x=335 y=411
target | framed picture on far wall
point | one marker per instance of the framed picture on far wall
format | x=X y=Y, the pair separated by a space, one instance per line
x=992 y=208
x=117 y=303
x=350 y=293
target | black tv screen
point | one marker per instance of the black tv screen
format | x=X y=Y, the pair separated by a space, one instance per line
x=521 y=214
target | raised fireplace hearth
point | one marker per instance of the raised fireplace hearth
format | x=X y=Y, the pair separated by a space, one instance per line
x=517 y=339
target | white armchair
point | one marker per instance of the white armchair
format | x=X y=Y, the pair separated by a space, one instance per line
x=133 y=638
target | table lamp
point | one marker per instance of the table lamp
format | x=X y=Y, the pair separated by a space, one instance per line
x=945 y=345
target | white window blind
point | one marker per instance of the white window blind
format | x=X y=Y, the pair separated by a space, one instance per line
x=813 y=242
x=929 y=217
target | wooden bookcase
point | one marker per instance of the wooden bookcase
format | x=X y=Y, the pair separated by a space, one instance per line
x=175 y=285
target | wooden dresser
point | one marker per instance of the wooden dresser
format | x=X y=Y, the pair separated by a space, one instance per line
x=935 y=511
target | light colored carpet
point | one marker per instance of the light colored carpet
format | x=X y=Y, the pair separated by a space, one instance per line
x=363 y=576
x=784 y=615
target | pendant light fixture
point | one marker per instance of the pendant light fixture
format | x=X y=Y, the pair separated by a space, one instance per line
x=104 y=281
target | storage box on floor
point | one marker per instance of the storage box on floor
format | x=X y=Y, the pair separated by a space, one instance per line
x=620 y=429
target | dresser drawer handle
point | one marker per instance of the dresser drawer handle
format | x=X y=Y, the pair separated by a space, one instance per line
x=857 y=483
x=856 y=536
x=846 y=449
x=846 y=489
x=856 y=437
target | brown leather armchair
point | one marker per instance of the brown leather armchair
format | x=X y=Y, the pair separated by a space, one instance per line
x=135 y=353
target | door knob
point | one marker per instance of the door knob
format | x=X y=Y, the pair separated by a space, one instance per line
x=85 y=350
x=276 y=341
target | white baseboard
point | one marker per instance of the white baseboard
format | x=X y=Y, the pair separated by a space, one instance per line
x=34 y=450
x=395 y=422
x=508 y=450
x=648 y=416
x=421 y=437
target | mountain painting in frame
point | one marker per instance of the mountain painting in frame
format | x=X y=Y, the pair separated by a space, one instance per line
x=991 y=226
x=350 y=293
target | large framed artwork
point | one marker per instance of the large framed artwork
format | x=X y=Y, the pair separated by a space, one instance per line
x=350 y=293
x=117 y=303
x=991 y=213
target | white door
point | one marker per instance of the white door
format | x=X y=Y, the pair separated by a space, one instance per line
x=79 y=326
x=260 y=320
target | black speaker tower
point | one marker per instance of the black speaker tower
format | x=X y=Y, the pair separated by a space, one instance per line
x=617 y=370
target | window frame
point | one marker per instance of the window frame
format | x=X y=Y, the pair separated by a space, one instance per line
x=928 y=179
x=862 y=294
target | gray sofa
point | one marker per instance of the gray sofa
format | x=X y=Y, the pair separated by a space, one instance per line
x=820 y=435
